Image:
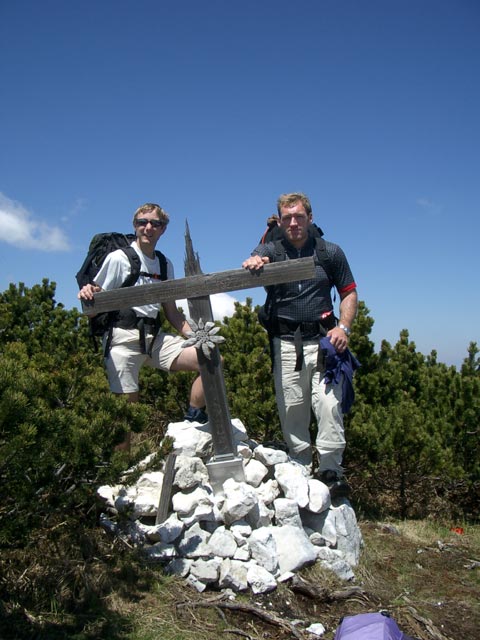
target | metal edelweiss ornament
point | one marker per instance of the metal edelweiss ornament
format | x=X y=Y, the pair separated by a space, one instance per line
x=203 y=337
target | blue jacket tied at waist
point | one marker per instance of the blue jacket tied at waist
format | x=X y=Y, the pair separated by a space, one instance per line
x=334 y=365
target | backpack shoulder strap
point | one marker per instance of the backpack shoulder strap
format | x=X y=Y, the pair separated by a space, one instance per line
x=163 y=265
x=135 y=266
x=322 y=257
x=280 y=251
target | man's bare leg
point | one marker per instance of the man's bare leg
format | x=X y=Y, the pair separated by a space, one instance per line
x=188 y=361
x=126 y=443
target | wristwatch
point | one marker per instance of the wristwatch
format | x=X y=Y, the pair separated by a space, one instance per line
x=346 y=329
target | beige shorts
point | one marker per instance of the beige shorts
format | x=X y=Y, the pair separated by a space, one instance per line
x=125 y=359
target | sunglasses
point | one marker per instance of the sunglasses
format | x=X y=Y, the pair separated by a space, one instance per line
x=142 y=222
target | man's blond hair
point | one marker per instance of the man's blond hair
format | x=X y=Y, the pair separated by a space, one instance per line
x=151 y=207
x=288 y=199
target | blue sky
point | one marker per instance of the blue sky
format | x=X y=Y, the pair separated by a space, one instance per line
x=214 y=108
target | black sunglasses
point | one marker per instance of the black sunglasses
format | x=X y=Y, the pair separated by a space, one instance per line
x=142 y=222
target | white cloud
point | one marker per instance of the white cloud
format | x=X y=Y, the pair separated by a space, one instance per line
x=222 y=305
x=19 y=228
x=428 y=205
x=77 y=208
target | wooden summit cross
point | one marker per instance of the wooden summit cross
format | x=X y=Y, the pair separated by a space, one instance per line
x=197 y=287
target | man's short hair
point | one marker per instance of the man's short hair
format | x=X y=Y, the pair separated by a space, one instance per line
x=151 y=207
x=288 y=199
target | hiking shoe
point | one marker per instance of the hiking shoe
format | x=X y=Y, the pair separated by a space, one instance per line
x=195 y=414
x=337 y=485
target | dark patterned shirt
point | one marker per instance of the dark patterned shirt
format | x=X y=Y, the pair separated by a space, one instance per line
x=308 y=300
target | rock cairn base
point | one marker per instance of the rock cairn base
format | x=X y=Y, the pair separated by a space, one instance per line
x=258 y=533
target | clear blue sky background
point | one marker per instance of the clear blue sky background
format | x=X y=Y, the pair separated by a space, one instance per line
x=214 y=108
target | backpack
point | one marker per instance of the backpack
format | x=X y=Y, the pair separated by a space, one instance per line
x=273 y=233
x=369 y=626
x=100 y=246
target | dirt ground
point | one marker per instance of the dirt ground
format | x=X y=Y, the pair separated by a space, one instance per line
x=425 y=576
x=431 y=587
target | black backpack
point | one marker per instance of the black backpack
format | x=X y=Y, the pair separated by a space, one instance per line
x=273 y=233
x=100 y=246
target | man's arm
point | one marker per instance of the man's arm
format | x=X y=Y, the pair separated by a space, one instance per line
x=348 y=311
x=176 y=319
x=111 y=275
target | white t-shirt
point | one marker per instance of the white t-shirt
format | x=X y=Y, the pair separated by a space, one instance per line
x=116 y=269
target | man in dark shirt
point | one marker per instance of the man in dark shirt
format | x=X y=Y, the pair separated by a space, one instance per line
x=303 y=312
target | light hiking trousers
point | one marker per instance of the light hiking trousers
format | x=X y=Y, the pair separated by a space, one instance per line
x=300 y=392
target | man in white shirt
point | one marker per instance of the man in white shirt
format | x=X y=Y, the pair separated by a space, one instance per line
x=126 y=353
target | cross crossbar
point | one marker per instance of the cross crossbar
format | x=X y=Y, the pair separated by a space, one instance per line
x=196 y=286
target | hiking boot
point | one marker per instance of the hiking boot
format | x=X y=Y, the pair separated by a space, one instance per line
x=337 y=485
x=195 y=414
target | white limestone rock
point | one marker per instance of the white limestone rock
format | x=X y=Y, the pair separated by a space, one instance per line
x=179 y=567
x=319 y=496
x=241 y=531
x=207 y=571
x=255 y=472
x=149 y=487
x=185 y=503
x=190 y=439
x=222 y=543
x=205 y=513
x=239 y=431
x=332 y=559
x=322 y=523
x=349 y=536
x=285 y=577
x=240 y=498
x=286 y=512
x=244 y=451
x=189 y=472
x=316 y=629
x=293 y=481
x=196 y=583
x=268 y=491
x=264 y=549
x=194 y=543
x=260 y=516
x=316 y=538
x=269 y=456
x=125 y=500
x=242 y=553
x=108 y=494
x=233 y=575
x=168 y=531
x=260 y=580
x=294 y=549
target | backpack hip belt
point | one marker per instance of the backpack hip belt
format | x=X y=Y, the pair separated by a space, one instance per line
x=129 y=320
x=309 y=330
x=298 y=332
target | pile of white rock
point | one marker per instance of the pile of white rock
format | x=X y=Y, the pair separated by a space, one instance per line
x=254 y=535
